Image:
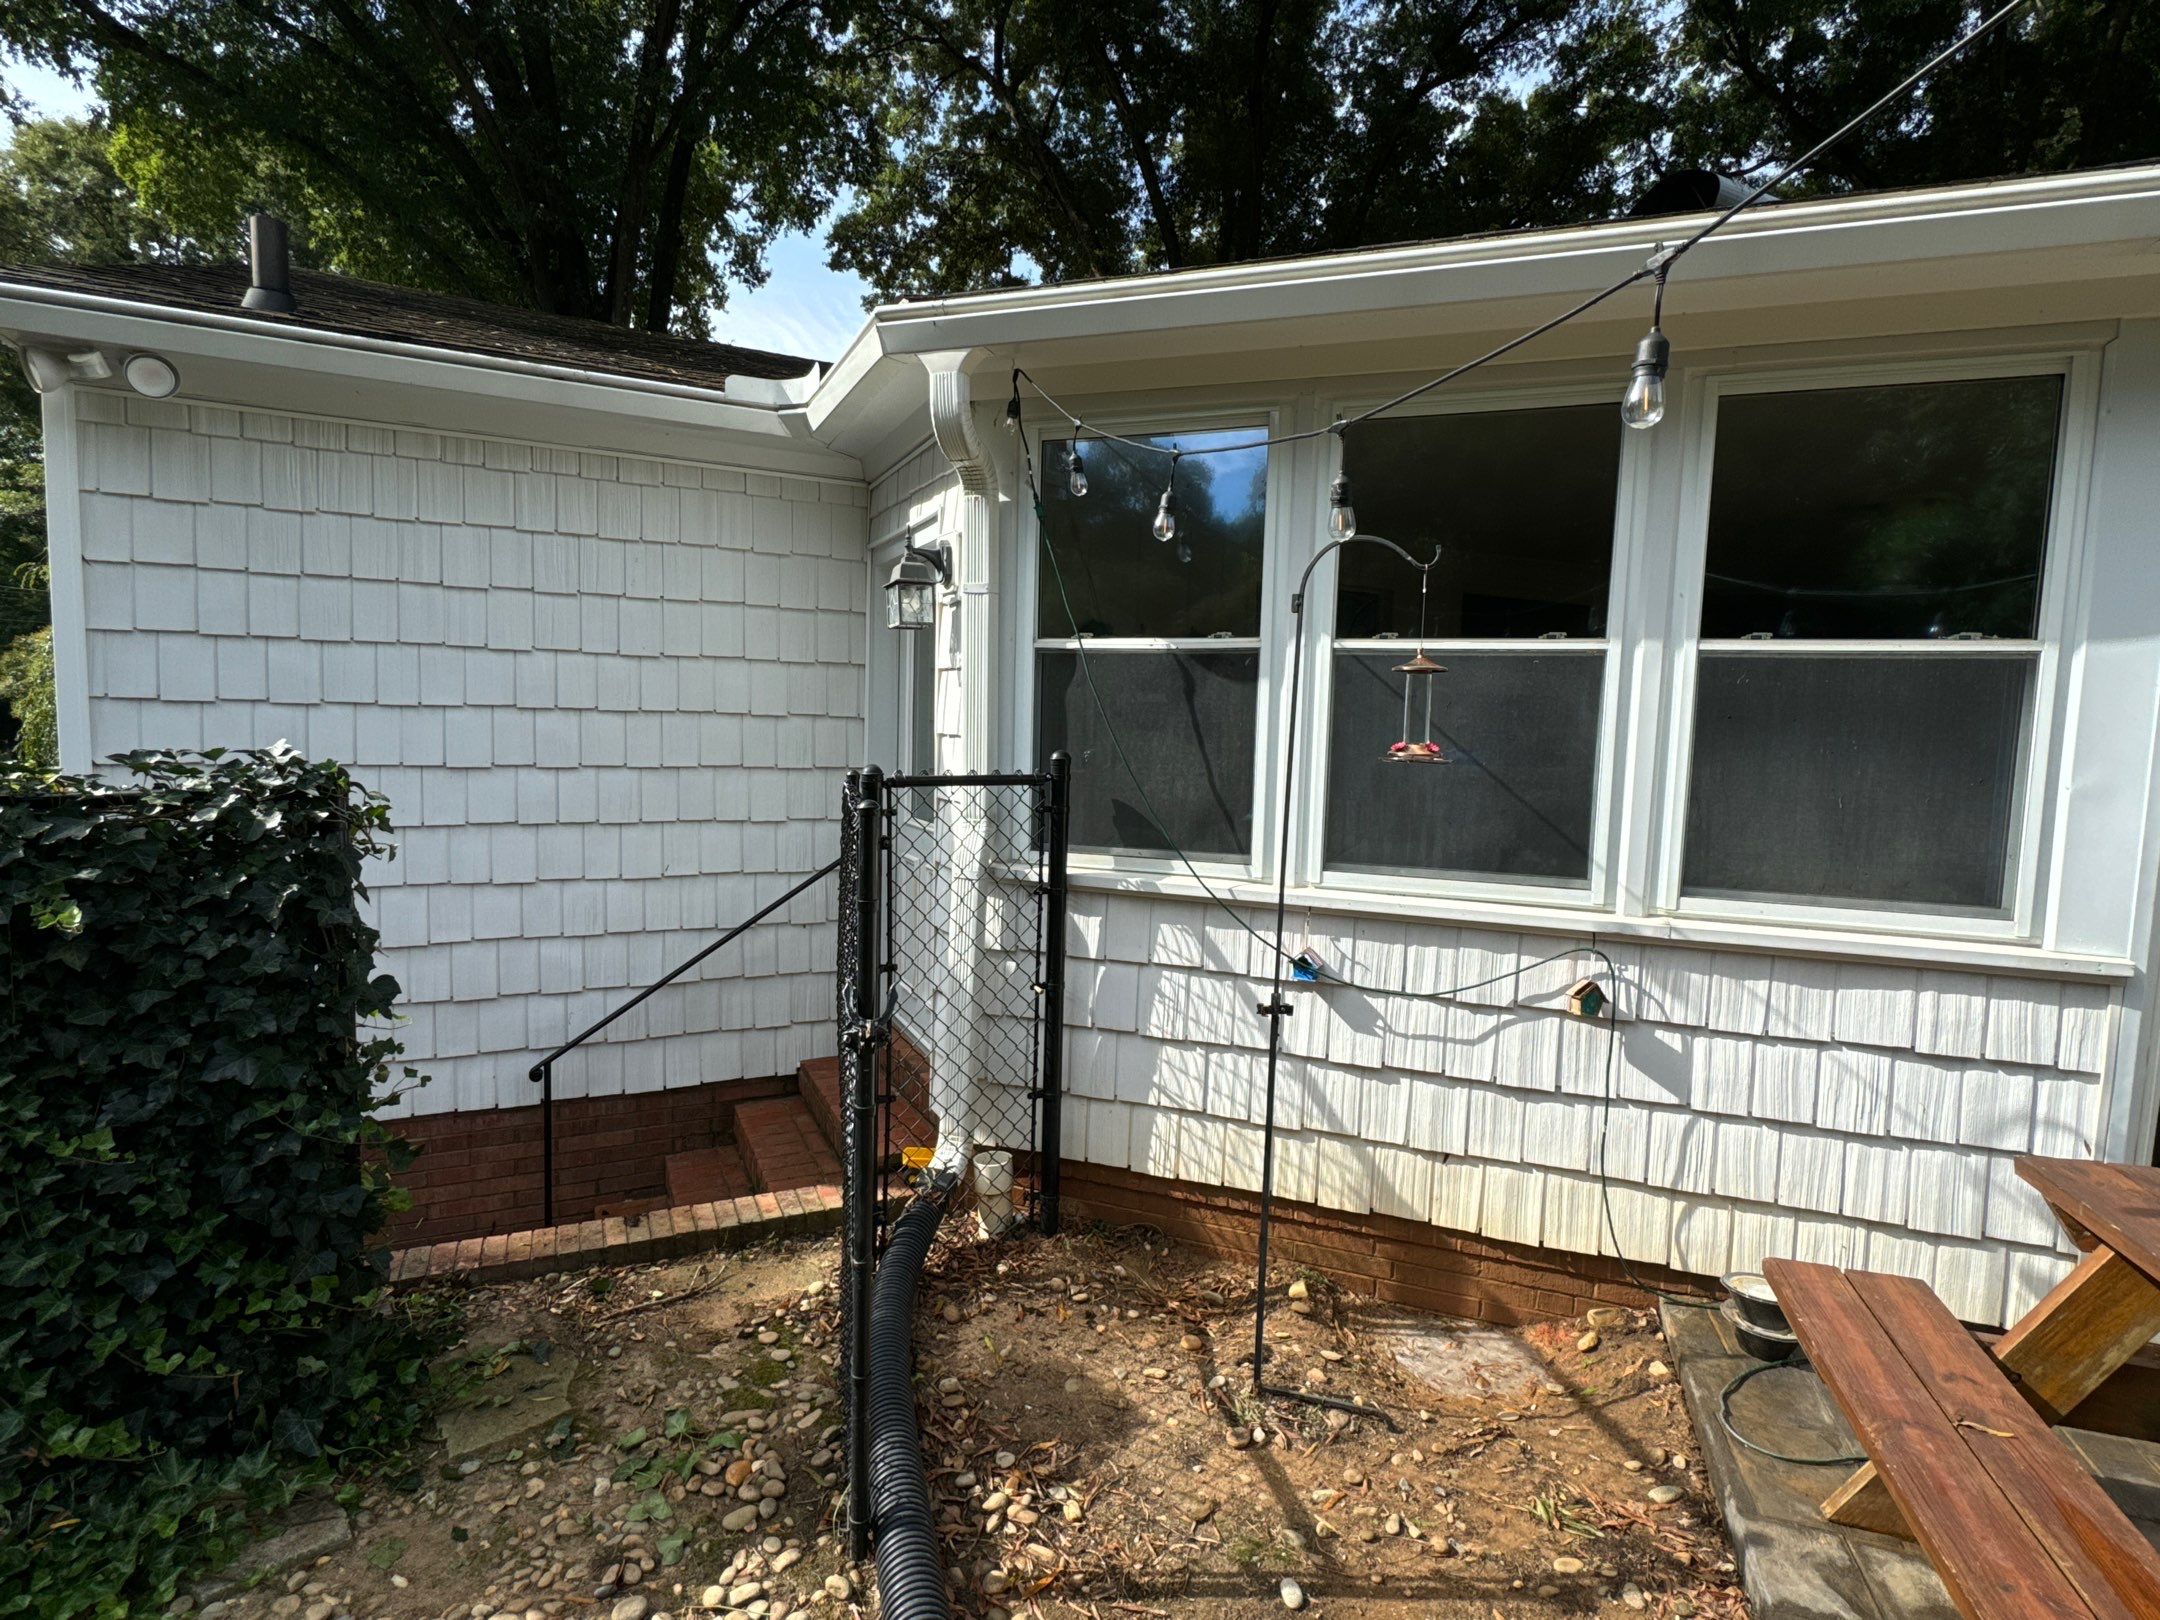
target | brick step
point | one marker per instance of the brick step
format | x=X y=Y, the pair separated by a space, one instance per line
x=782 y=1147
x=818 y=1080
x=706 y=1175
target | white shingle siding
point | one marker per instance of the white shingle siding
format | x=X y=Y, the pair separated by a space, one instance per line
x=610 y=700
x=1761 y=1105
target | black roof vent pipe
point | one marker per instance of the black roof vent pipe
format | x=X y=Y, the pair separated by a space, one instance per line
x=1689 y=191
x=269 y=266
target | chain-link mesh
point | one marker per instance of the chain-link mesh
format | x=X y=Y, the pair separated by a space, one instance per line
x=951 y=972
x=966 y=887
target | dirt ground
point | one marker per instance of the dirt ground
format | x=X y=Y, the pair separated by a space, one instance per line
x=1091 y=1436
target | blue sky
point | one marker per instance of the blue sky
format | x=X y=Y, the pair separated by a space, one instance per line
x=803 y=308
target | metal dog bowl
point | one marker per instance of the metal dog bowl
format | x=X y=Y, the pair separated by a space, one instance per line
x=1754 y=1301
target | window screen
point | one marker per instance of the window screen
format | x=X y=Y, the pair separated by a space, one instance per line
x=1520 y=504
x=1912 y=516
x=1885 y=779
x=1171 y=633
x=1186 y=722
x=1520 y=731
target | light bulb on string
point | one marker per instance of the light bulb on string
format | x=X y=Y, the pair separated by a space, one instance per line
x=1342 y=516
x=1076 y=478
x=1012 y=406
x=1643 y=406
x=1166 y=510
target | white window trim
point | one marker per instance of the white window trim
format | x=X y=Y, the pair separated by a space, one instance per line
x=1647 y=716
x=1269 y=642
x=2040 y=767
x=1598 y=895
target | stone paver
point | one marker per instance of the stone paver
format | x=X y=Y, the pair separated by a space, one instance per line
x=1794 y=1564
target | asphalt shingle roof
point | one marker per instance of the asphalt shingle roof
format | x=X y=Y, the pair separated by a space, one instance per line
x=346 y=304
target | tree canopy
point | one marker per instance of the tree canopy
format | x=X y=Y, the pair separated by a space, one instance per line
x=1020 y=138
x=630 y=160
x=626 y=161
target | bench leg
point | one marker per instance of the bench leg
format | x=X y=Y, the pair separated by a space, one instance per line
x=1863 y=1503
x=2069 y=1344
x=2059 y=1352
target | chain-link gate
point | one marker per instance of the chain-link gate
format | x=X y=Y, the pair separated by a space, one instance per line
x=951 y=1008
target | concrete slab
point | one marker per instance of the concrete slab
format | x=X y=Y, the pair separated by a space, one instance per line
x=1463 y=1359
x=312 y=1526
x=1793 y=1564
x=520 y=1403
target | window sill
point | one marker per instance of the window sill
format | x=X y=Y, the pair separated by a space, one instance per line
x=1972 y=955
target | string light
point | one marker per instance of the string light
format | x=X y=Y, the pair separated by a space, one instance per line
x=1166 y=511
x=1012 y=406
x=1644 y=404
x=1342 y=516
x=1076 y=479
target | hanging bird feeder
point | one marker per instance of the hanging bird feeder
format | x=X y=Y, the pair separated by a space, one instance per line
x=1419 y=671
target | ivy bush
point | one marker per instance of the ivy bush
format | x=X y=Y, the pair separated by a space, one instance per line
x=192 y=1322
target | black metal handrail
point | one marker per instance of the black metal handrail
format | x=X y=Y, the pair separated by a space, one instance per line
x=542 y=1073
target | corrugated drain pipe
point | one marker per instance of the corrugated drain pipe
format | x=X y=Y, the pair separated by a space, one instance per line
x=910 y=1576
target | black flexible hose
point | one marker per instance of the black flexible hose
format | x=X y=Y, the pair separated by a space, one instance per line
x=910 y=1575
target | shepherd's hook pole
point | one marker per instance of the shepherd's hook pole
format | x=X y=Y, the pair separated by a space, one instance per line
x=1275 y=1009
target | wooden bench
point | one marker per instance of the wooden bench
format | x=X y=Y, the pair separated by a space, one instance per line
x=2011 y=1520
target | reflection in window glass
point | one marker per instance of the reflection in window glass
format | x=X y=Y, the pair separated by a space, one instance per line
x=1876 y=779
x=1918 y=510
x=1186 y=722
x=1520 y=730
x=1520 y=503
x=1125 y=582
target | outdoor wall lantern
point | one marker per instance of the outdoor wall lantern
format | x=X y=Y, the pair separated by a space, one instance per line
x=911 y=592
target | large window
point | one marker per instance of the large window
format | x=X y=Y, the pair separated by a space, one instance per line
x=1520 y=504
x=1171 y=634
x=1868 y=656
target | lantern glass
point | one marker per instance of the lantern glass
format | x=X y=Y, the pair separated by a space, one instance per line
x=911 y=604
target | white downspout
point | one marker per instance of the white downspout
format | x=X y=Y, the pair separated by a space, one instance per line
x=957 y=1066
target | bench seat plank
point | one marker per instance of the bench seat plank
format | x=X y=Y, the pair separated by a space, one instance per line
x=2098 y=1550
x=2017 y=1530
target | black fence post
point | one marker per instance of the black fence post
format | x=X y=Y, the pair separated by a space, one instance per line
x=1057 y=797
x=859 y=1038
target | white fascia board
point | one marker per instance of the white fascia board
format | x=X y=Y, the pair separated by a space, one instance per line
x=2029 y=225
x=241 y=362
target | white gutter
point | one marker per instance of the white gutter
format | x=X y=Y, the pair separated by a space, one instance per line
x=1995 y=201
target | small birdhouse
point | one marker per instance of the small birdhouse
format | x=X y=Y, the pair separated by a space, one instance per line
x=1586 y=999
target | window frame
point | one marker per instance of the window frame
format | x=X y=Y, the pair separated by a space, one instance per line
x=1647 y=699
x=1267 y=642
x=2040 y=766
x=1599 y=893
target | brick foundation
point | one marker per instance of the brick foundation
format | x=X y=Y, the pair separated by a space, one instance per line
x=1379 y=1256
x=478 y=1172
